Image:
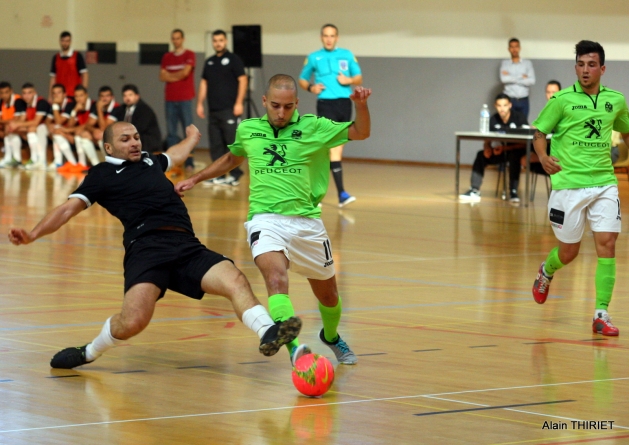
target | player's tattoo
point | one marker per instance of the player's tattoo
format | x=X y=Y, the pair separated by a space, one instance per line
x=538 y=135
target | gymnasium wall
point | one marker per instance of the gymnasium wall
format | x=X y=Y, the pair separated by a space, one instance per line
x=432 y=64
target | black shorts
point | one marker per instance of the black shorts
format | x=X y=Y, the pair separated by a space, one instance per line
x=339 y=110
x=170 y=260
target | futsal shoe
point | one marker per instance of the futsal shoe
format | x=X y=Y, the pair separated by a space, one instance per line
x=541 y=286
x=343 y=353
x=602 y=324
x=78 y=168
x=298 y=352
x=67 y=167
x=345 y=198
x=278 y=335
x=69 y=358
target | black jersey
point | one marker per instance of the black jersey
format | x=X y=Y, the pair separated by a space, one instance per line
x=137 y=193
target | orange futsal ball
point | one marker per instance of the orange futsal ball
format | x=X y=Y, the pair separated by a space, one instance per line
x=313 y=375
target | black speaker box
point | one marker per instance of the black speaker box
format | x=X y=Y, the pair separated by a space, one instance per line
x=248 y=44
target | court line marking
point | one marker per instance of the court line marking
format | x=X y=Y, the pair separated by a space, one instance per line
x=281 y=408
x=517 y=410
x=489 y=407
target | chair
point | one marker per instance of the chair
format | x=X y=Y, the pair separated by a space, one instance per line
x=623 y=159
x=536 y=170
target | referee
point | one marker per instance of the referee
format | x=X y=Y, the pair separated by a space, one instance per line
x=161 y=251
x=335 y=70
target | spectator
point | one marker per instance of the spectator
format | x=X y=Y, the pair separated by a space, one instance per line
x=499 y=153
x=141 y=115
x=224 y=83
x=177 y=71
x=68 y=67
x=31 y=125
x=518 y=76
x=60 y=109
x=64 y=135
x=12 y=142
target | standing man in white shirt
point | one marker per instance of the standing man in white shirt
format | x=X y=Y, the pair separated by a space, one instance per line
x=517 y=76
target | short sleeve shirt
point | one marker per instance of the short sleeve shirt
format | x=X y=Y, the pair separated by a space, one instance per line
x=67 y=70
x=110 y=108
x=581 y=140
x=516 y=120
x=137 y=193
x=221 y=74
x=183 y=89
x=39 y=107
x=326 y=66
x=290 y=166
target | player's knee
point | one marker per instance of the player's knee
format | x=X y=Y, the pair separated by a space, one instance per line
x=277 y=280
x=133 y=325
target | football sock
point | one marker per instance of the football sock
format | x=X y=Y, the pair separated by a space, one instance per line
x=331 y=316
x=337 y=174
x=78 y=143
x=552 y=263
x=15 y=144
x=281 y=309
x=90 y=151
x=65 y=148
x=33 y=144
x=257 y=319
x=604 y=281
x=42 y=136
x=101 y=343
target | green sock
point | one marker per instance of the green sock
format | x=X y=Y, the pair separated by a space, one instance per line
x=281 y=309
x=331 y=316
x=552 y=263
x=604 y=281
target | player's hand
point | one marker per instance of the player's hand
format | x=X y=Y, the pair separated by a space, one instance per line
x=200 y=111
x=238 y=110
x=11 y=127
x=360 y=95
x=19 y=236
x=487 y=152
x=317 y=88
x=343 y=79
x=193 y=132
x=182 y=186
x=498 y=150
x=550 y=164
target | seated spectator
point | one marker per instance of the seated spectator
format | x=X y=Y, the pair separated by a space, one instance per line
x=12 y=141
x=552 y=87
x=99 y=115
x=32 y=110
x=65 y=134
x=140 y=114
x=497 y=153
x=59 y=115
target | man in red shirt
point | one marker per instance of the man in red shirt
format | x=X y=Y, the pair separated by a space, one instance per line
x=177 y=71
x=12 y=141
x=68 y=67
x=32 y=110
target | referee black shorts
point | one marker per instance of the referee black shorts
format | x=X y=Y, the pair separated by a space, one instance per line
x=339 y=110
x=170 y=260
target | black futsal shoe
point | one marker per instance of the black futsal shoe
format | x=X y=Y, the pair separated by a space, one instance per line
x=69 y=358
x=279 y=334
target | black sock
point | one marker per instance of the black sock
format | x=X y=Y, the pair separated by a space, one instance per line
x=337 y=173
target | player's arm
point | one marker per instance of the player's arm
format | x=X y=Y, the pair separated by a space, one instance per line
x=361 y=128
x=221 y=166
x=240 y=98
x=549 y=163
x=178 y=153
x=625 y=137
x=49 y=223
x=201 y=98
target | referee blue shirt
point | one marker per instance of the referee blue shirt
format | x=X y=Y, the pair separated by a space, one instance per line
x=326 y=66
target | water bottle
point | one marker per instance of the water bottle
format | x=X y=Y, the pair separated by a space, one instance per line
x=484 y=119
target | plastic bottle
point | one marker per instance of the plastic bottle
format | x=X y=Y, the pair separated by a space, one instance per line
x=484 y=119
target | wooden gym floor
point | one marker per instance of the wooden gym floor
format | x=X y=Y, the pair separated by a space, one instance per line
x=437 y=305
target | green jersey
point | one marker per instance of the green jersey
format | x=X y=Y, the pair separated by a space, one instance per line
x=582 y=132
x=290 y=166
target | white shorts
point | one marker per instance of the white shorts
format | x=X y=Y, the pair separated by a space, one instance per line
x=569 y=209
x=304 y=241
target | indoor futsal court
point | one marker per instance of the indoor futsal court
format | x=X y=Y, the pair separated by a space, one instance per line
x=452 y=348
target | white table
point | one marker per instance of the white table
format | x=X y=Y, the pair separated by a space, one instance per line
x=494 y=136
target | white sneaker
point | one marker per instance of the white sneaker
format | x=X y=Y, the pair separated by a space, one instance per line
x=298 y=352
x=472 y=195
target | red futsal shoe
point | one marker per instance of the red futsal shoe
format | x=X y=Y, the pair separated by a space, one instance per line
x=541 y=286
x=602 y=324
